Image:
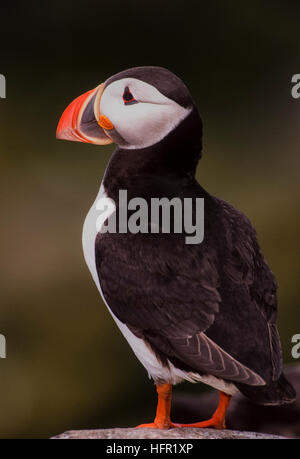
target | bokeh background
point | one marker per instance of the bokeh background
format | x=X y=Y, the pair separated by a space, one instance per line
x=67 y=365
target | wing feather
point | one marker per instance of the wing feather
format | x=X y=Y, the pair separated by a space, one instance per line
x=188 y=302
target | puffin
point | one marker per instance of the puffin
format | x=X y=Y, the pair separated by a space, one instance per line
x=200 y=312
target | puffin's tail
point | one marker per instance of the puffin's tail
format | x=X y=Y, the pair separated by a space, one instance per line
x=276 y=393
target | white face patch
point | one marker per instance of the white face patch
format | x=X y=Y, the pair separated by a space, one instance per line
x=146 y=122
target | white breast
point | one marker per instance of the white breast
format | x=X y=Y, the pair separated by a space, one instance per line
x=155 y=369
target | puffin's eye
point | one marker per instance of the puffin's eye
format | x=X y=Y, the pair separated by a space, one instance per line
x=128 y=97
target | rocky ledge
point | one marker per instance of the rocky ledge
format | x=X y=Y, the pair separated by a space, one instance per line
x=172 y=434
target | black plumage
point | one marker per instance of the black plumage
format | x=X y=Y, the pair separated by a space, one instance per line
x=209 y=308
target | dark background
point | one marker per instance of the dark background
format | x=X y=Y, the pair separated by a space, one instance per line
x=67 y=364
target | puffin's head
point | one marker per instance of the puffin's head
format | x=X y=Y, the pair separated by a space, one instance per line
x=135 y=109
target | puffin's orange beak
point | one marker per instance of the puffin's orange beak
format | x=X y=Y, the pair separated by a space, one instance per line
x=81 y=120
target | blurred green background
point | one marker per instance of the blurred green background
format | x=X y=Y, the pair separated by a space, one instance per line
x=67 y=365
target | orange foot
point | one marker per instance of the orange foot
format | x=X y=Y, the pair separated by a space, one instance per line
x=162 y=419
x=210 y=423
x=158 y=425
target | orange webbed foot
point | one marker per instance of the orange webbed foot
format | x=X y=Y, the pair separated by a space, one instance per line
x=210 y=424
x=158 y=425
x=162 y=419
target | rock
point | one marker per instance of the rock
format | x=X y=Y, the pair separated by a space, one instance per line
x=172 y=434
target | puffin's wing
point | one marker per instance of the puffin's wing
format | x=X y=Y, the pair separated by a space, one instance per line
x=264 y=292
x=247 y=269
x=166 y=292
